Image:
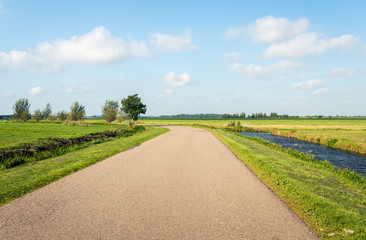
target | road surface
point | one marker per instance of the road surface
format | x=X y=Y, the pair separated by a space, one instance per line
x=184 y=184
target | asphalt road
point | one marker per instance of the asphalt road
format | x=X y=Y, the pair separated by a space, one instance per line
x=184 y=184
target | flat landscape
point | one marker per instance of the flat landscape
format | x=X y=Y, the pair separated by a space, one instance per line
x=330 y=201
x=183 y=185
x=349 y=134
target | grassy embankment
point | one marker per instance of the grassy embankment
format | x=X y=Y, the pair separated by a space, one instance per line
x=347 y=134
x=332 y=202
x=13 y=134
x=20 y=180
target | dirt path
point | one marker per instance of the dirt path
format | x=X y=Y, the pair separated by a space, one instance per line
x=184 y=184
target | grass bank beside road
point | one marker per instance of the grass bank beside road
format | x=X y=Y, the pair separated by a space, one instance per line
x=18 y=181
x=348 y=134
x=332 y=202
x=15 y=133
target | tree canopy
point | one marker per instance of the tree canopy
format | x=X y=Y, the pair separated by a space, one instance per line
x=133 y=107
x=21 y=109
x=110 y=110
x=77 y=111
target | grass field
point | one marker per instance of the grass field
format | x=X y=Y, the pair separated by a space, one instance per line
x=346 y=134
x=332 y=202
x=18 y=181
x=13 y=134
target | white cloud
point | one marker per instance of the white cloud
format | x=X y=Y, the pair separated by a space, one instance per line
x=172 y=79
x=250 y=71
x=321 y=90
x=256 y=71
x=36 y=91
x=172 y=43
x=271 y=29
x=309 y=44
x=232 y=55
x=286 y=66
x=343 y=72
x=97 y=46
x=291 y=39
x=233 y=32
x=76 y=90
x=311 y=84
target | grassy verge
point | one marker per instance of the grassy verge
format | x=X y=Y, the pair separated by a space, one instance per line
x=20 y=180
x=332 y=202
x=351 y=141
x=14 y=134
x=345 y=134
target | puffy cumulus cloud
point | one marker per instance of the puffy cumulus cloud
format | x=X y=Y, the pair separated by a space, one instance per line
x=172 y=43
x=256 y=71
x=172 y=79
x=271 y=29
x=233 y=32
x=291 y=39
x=97 y=46
x=311 y=84
x=343 y=72
x=76 y=90
x=309 y=44
x=36 y=91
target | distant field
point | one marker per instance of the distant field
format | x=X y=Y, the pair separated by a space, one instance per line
x=12 y=134
x=345 y=134
x=272 y=123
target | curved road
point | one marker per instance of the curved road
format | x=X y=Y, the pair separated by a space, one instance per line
x=184 y=184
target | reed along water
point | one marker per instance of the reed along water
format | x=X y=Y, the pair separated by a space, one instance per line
x=339 y=158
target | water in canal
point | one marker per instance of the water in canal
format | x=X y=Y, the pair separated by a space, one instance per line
x=340 y=159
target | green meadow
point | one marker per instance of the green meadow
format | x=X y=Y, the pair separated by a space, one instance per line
x=15 y=133
x=348 y=134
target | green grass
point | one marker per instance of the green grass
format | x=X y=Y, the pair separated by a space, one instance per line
x=347 y=134
x=20 y=180
x=326 y=199
x=13 y=134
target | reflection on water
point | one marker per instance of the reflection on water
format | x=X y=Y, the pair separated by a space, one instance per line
x=338 y=158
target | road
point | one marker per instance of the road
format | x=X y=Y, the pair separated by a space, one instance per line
x=184 y=184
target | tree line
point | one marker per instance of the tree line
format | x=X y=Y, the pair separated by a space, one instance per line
x=131 y=107
x=241 y=115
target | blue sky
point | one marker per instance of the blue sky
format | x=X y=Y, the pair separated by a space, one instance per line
x=289 y=57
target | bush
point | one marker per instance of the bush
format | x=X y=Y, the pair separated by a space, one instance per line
x=138 y=128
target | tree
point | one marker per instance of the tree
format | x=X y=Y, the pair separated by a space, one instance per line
x=21 y=109
x=51 y=117
x=37 y=115
x=62 y=115
x=47 y=111
x=120 y=117
x=77 y=111
x=133 y=107
x=110 y=110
